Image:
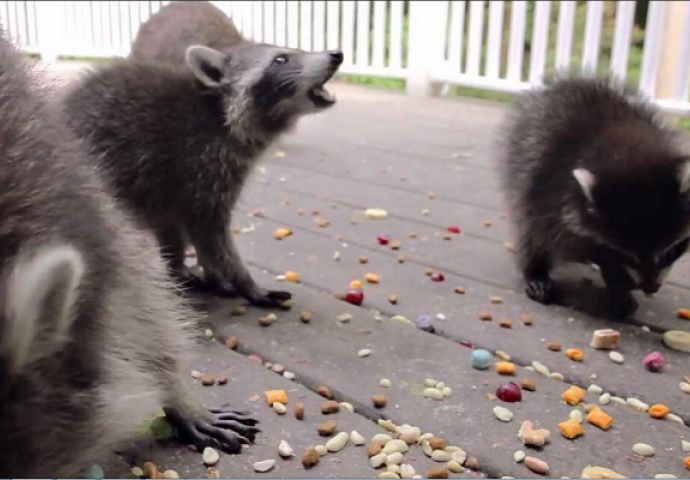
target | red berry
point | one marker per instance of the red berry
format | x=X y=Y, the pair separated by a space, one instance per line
x=354 y=296
x=383 y=240
x=509 y=392
x=454 y=229
x=654 y=361
x=437 y=277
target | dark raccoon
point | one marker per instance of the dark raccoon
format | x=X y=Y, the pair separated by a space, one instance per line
x=592 y=175
x=91 y=330
x=178 y=148
x=165 y=37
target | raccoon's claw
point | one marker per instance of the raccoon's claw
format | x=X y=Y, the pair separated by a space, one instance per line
x=623 y=305
x=541 y=290
x=269 y=299
x=224 y=429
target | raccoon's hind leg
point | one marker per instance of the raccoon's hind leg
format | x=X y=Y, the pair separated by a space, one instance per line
x=172 y=245
x=223 y=265
x=536 y=267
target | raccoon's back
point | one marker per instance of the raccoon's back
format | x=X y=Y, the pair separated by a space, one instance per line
x=165 y=37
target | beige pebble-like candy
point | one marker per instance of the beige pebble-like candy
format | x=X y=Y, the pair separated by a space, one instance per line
x=347 y=406
x=447 y=392
x=395 y=446
x=321 y=450
x=600 y=473
x=375 y=213
x=503 y=414
x=540 y=368
x=454 y=467
x=285 y=450
x=279 y=408
x=381 y=438
x=356 y=439
x=210 y=457
x=606 y=339
x=440 y=456
x=433 y=393
x=394 y=468
x=212 y=473
x=395 y=458
x=407 y=471
x=519 y=456
x=685 y=387
x=536 y=465
x=616 y=357
x=137 y=472
x=595 y=389
x=458 y=455
x=660 y=476
x=430 y=382
x=643 y=449
x=338 y=442
x=385 y=383
x=365 y=352
x=605 y=399
x=638 y=405
x=388 y=475
x=378 y=460
x=685 y=446
x=577 y=415
x=264 y=466
x=171 y=474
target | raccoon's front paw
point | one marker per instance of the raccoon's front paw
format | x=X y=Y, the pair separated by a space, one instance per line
x=223 y=429
x=541 y=290
x=622 y=305
x=269 y=298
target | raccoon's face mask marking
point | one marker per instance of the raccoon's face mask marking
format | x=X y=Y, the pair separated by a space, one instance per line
x=644 y=218
x=266 y=83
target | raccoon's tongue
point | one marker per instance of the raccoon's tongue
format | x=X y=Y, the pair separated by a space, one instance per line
x=323 y=94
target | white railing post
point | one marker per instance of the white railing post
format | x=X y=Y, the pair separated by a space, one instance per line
x=426 y=45
x=674 y=50
x=49 y=16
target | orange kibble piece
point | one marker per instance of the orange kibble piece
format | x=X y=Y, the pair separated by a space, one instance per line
x=684 y=313
x=355 y=284
x=505 y=368
x=372 y=278
x=600 y=418
x=575 y=354
x=571 y=429
x=291 y=276
x=273 y=396
x=573 y=395
x=686 y=462
x=659 y=411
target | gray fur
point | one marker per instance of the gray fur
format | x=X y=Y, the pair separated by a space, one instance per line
x=592 y=175
x=92 y=331
x=165 y=36
x=178 y=148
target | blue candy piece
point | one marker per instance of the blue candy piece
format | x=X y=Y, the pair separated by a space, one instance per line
x=481 y=359
x=424 y=323
x=96 y=472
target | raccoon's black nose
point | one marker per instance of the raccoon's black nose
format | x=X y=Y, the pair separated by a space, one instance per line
x=651 y=289
x=336 y=56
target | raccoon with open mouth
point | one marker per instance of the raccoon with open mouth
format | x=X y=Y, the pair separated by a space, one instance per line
x=178 y=146
x=593 y=176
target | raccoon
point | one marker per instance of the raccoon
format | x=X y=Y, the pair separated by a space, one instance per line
x=165 y=36
x=91 y=330
x=177 y=148
x=594 y=176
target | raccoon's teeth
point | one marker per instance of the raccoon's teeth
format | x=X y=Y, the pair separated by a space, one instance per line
x=324 y=94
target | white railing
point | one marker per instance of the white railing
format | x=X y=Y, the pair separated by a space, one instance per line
x=503 y=46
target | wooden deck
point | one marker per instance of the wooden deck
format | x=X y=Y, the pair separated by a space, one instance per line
x=429 y=163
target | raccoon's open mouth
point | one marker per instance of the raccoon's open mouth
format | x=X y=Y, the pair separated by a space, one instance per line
x=321 y=97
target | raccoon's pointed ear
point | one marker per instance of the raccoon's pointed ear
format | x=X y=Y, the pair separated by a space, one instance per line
x=586 y=180
x=206 y=64
x=40 y=298
x=684 y=176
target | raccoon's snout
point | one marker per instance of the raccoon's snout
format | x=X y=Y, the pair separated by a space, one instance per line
x=651 y=289
x=321 y=97
x=336 y=57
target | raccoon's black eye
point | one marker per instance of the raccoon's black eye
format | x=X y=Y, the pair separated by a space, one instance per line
x=280 y=60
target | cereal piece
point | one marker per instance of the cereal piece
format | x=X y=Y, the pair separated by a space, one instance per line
x=325 y=392
x=310 y=458
x=374 y=448
x=571 y=429
x=459 y=290
x=506 y=323
x=306 y=316
x=606 y=339
x=659 y=411
x=528 y=384
x=356 y=284
x=437 y=443
x=380 y=400
x=327 y=428
x=375 y=213
x=573 y=395
x=527 y=319
x=575 y=354
x=503 y=355
x=282 y=233
x=554 y=346
x=600 y=473
x=371 y=278
x=299 y=411
x=395 y=245
x=438 y=472
x=273 y=396
x=232 y=342
x=329 y=407
x=505 y=368
x=496 y=300
x=485 y=316
x=684 y=313
x=291 y=276
x=363 y=260
x=392 y=299
x=599 y=418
